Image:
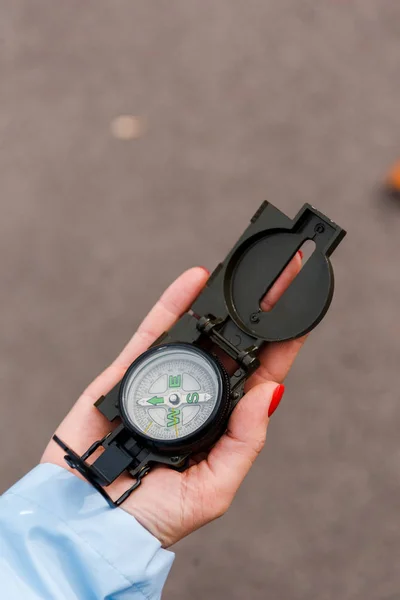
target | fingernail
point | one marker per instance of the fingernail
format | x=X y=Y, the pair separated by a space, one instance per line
x=301 y=254
x=205 y=269
x=276 y=398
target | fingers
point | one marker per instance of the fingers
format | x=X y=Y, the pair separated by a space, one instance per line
x=176 y=299
x=277 y=358
x=282 y=283
x=235 y=452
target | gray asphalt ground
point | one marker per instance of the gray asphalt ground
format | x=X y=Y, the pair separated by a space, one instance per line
x=244 y=101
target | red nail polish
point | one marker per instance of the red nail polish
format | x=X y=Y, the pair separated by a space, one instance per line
x=276 y=398
x=301 y=254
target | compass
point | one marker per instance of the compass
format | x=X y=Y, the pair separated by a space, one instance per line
x=175 y=399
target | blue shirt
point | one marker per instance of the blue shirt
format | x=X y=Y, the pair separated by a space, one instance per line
x=60 y=540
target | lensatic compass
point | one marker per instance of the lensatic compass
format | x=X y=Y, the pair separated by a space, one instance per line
x=175 y=399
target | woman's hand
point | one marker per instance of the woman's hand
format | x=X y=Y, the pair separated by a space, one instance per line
x=170 y=504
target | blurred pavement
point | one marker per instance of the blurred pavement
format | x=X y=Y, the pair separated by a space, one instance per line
x=243 y=101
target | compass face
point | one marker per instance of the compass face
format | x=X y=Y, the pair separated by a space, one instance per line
x=172 y=392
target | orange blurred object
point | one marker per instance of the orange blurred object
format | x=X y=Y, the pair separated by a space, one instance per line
x=393 y=179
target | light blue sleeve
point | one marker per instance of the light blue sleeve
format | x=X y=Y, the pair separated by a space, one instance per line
x=59 y=540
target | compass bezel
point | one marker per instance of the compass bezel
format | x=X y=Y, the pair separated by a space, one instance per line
x=210 y=429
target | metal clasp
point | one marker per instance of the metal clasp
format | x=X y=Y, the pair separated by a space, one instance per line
x=79 y=463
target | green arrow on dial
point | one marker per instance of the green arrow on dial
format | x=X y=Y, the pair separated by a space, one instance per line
x=155 y=400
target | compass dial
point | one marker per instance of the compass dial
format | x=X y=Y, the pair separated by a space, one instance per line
x=171 y=392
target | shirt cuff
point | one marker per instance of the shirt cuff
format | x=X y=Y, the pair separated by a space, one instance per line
x=114 y=536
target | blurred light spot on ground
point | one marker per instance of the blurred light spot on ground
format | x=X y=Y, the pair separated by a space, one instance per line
x=394 y=177
x=128 y=127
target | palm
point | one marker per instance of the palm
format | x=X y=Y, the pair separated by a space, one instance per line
x=178 y=499
x=168 y=503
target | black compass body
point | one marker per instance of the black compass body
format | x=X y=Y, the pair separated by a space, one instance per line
x=176 y=398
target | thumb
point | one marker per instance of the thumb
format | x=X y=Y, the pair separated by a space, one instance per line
x=235 y=452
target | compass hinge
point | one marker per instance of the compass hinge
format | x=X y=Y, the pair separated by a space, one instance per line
x=246 y=359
